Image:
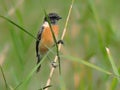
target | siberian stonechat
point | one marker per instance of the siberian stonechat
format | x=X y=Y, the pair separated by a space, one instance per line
x=45 y=38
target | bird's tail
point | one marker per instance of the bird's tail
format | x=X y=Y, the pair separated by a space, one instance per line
x=39 y=59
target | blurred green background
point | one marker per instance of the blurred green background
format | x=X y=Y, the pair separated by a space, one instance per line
x=93 y=25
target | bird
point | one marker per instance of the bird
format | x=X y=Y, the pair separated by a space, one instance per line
x=45 y=38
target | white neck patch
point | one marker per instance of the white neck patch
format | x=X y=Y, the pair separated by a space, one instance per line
x=45 y=24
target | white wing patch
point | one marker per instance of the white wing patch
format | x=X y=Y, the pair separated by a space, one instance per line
x=45 y=24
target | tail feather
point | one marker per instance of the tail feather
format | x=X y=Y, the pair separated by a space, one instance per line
x=39 y=59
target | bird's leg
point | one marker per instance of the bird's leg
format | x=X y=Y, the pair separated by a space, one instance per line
x=54 y=64
x=60 y=42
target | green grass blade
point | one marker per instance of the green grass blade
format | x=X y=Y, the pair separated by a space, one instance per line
x=27 y=79
x=114 y=84
x=55 y=40
x=48 y=20
x=87 y=64
x=15 y=43
x=21 y=28
x=99 y=27
x=94 y=11
x=62 y=83
x=6 y=85
x=115 y=70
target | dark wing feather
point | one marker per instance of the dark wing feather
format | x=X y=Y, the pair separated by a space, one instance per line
x=37 y=46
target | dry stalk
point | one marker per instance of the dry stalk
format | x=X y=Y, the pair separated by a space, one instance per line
x=59 y=46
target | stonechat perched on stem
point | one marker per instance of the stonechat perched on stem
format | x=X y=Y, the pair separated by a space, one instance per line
x=44 y=37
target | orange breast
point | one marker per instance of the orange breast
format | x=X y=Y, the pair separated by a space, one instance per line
x=47 y=39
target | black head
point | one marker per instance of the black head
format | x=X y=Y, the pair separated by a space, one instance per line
x=53 y=18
